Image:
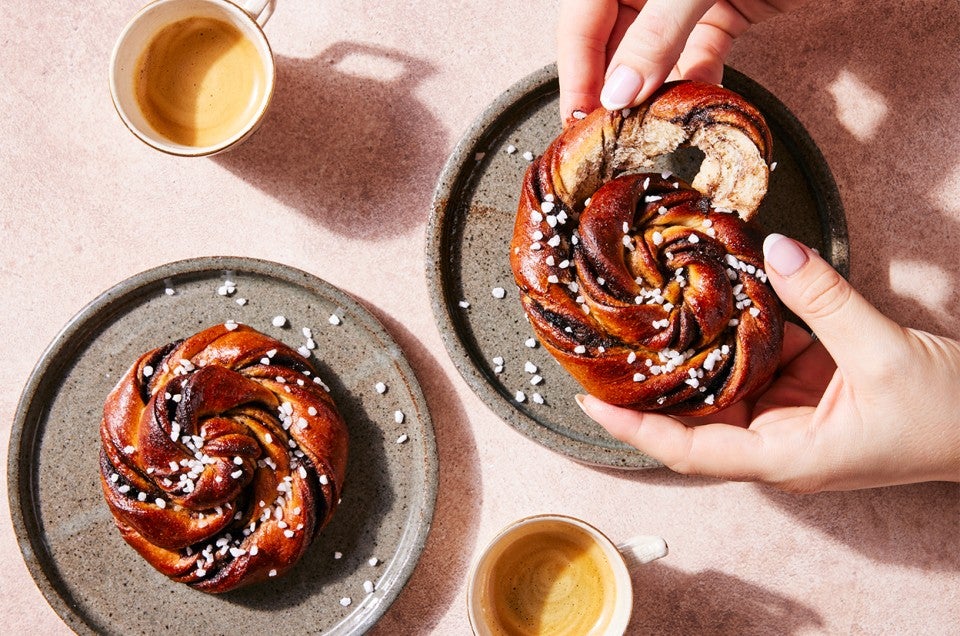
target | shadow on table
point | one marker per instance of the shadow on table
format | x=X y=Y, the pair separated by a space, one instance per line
x=437 y=578
x=907 y=525
x=668 y=601
x=916 y=525
x=874 y=103
x=338 y=144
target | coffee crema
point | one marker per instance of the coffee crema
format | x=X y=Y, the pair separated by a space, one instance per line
x=200 y=81
x=555 y=579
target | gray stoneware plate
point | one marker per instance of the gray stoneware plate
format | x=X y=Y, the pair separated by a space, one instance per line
x=97 y=583
x=468 y=243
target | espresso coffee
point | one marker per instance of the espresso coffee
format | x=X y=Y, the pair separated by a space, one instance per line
x=200 y=81
x=553 y=579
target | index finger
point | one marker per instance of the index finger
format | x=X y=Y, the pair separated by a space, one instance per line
x=583 y=34
x=714 y=450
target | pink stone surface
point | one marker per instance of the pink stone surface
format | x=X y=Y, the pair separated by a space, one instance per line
x=371 y=99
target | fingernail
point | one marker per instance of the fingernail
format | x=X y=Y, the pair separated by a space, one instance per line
x=579 y=398
x=621 y=88
x=783 y=254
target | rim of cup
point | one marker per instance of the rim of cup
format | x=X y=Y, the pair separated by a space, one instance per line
x=248 y=26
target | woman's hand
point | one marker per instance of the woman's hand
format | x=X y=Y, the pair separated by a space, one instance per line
x=617 y=52
x=868 y=403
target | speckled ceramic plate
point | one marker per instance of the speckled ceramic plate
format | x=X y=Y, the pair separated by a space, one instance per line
x=468 y=242
x=97 y=583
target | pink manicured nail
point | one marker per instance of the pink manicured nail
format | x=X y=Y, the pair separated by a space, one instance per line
x=621 y=88
x=579 y=398
x=783 y=254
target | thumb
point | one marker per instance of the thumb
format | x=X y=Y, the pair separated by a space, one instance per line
x=854 y=332
x=650 y=48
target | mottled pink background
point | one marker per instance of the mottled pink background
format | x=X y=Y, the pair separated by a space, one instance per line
x=371 y=99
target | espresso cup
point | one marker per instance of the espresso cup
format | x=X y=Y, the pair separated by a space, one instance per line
x=553 y=574
x=194 y=77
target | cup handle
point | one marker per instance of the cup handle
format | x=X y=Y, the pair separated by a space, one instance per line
x=642 y=549
x=259 y=10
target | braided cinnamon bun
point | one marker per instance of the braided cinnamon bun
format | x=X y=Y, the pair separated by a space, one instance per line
x=222 y=455
x=650 y=291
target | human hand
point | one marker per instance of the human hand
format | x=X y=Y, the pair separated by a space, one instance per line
x=868 y=403
x=617 y=52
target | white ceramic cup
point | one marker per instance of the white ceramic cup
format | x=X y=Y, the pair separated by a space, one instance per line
x=616 y=611
x=248 y=16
